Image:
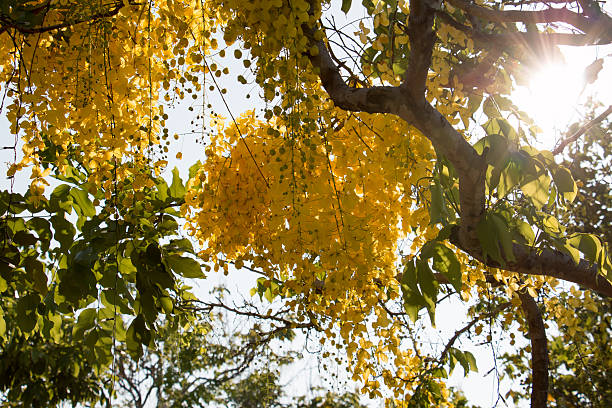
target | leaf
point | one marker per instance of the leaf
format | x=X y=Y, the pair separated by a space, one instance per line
x=488 y=241
x=2 y=327
x=137 y=335
x=588 y=244
x=166 y=304
x=36 y=274
x=509 y=177
x=63 y=231
x=43 y=229
x=525 y=231
x=413 y=300
x=503 y=235
x=489 y=108
x=501 y=127
x=177 y=189
x=346 y=6
x=429 y=288
x=85 y=322
x=186 y=267
x=437 y=206
x=60 y=199
x=81 y=203
x=565 y=183
x=537 y=190
x=26 y=312
x=193 y=169
x=573 y=252
x=24 y=238
x=471 y=361
x=162 y=190
x=445 y=261
x=111 y=298
x=461 y=359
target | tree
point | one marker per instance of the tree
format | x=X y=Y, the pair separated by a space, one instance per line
x=368 y=137
x=579 y=355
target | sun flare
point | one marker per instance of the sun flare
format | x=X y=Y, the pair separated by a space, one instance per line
x=551 y=98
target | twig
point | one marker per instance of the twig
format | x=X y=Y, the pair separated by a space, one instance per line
x=581 y=131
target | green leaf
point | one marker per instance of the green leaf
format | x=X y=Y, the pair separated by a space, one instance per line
x=36 y=274
x=162 y=190
x=43 y=229
x=566 y=186
x=510 y=176
x=26 y=312
x=413 y=300
x=588 y=244
x=500 y=126
x=166 y=304
x=346 y=6
x=571 y=251
x=460 y=357
x=2 y=327
x=445 y=261
x=111 y=298
x=177 y=189
x=81 y=202
x=429 y=288
x=187 y=267
x=471 y=361
x=24 y=238
x=193 y=170
x=60 y=199
x=490 y=109
x=64 y=231
x=437 y=207
x=137 y=335
x=537 y=190
x=85 y=322
x=502 y=232
x=488 y=241
x=525 y=232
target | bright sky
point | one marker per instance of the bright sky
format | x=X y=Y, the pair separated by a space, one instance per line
x=556 y=92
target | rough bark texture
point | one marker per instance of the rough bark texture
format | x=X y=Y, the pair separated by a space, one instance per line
x=539 y=351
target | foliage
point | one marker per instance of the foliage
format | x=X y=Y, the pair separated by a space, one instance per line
x=38 y=373
x=580 y=356
x=368 y=138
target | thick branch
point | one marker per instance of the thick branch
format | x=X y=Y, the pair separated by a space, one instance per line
x=539 y=351
x=422 y=39
x=534 y=41
x=550 y=15
x=547 y=262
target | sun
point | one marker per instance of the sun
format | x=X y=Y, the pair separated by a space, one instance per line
x=551 y=98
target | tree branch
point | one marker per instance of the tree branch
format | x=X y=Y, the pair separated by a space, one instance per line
x=546 y=262
x=539 y=351
x=8 y=23
x=550 y=15
x=533 y=41
x=581 y=131
x=422 y=39
x=468 y=327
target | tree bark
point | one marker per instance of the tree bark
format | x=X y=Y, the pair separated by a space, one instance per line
x=539 y=351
